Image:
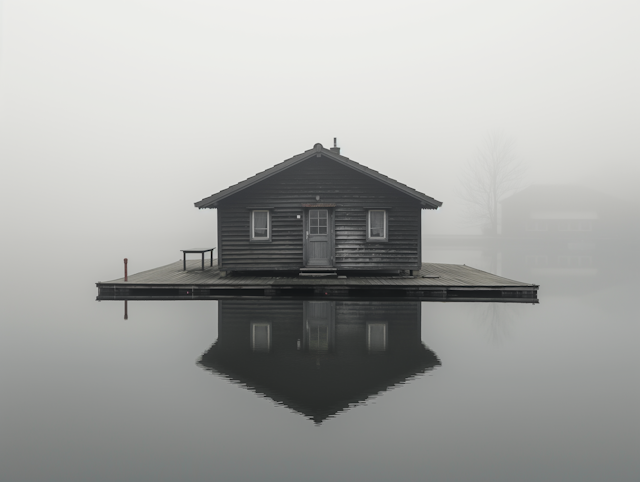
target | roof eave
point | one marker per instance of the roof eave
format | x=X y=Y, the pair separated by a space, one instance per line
x=427 y=202
x=212 y=201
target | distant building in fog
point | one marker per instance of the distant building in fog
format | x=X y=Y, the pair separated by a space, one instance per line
x=563 y=211
x=567 y=232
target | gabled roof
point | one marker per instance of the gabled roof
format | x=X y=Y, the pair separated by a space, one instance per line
x=211 y=201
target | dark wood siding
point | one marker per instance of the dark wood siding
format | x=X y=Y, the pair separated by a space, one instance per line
x=350 y=191
x=287 y=318
x=235 y=318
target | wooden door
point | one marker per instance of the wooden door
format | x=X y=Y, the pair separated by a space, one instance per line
x=319 y=238
x=319 y=326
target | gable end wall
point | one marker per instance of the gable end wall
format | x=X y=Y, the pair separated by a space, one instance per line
x=352 y=192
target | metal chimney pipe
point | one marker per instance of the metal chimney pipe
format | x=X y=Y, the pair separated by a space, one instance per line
x=335 y=147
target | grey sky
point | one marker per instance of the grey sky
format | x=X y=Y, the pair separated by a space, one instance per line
x=117 y=115
x=127 y=112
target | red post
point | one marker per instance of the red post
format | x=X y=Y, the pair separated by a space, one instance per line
x=126 y=278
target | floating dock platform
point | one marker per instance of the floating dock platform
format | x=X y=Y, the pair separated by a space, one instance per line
x=434 y=282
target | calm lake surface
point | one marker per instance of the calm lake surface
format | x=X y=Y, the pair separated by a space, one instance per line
x=201 y=391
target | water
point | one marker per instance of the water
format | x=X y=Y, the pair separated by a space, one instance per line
x=191 y=390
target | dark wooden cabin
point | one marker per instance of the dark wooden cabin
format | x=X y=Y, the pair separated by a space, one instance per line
x=319 y=211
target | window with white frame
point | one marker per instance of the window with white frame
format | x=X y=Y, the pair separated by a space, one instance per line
x=377 y=225
x=260 y=225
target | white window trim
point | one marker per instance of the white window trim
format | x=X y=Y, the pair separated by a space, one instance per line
x=252 y=233
x=384 y=238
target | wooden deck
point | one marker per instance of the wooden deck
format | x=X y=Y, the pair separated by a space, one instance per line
x=437 y=282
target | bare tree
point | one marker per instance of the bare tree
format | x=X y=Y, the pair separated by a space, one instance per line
x=499 y=320
x=495 y=173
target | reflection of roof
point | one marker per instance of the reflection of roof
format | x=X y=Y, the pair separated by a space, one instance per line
x=320 y=386
x=560 y=196
x=210 y=202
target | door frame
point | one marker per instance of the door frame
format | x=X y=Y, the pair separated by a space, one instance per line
x=331 y=234
x=331 y=324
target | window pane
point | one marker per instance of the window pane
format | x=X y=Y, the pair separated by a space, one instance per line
x=322 y=222
x=376 y=220
x=260 y=219
x=318 y=221
x=260 y=224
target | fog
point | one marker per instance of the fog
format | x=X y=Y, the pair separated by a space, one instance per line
x=117 y=116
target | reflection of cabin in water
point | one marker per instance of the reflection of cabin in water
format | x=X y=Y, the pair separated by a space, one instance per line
x=318 y=357
x=319 y=211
